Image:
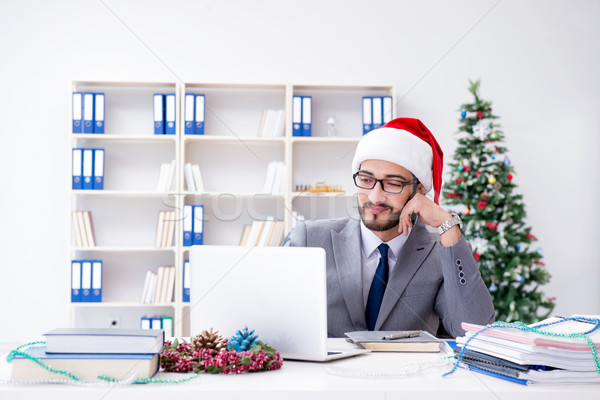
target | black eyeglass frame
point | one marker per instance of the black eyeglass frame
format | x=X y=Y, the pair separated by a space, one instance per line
x=375 y=180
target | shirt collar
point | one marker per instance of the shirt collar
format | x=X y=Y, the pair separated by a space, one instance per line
x=370 y=242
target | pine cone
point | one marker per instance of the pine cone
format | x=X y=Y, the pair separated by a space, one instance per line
x=209 y=340
x=485 y=197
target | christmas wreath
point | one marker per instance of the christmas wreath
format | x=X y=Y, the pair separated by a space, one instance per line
x=209 y=352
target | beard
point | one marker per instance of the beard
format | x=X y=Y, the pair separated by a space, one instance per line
x=380 y=223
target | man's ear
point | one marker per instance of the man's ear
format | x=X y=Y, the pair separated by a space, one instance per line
x=421 y=189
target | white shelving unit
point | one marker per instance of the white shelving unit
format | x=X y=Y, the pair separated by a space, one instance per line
x=233 y=161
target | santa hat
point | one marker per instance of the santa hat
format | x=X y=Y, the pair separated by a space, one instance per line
x=408 y=143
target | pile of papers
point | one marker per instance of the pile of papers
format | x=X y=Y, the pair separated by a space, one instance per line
x=555 y=350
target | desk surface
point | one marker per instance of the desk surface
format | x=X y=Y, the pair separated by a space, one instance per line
x=299 y=380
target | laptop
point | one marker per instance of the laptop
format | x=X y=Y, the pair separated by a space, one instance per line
x=280 y=292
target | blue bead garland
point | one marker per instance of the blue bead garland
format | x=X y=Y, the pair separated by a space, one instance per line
x=523 y=327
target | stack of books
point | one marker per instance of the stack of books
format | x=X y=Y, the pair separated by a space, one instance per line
x=274 y=178
x=263 y=233
x=166 y=176
x=88 y=354
x=159 y=286
x=193 y=178
x=84 y=229
x=165 y=230
x=272 y=123
x=558 y=350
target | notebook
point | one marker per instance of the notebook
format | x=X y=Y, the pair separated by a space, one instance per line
x=280 y=292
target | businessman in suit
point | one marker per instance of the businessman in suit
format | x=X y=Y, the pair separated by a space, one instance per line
x=404 y=264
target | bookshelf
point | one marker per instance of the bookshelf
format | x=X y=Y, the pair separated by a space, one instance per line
x=233 y=160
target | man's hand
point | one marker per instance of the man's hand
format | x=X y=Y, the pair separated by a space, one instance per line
x=431 y=214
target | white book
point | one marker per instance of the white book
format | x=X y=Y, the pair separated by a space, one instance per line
x=170 y=176
x=162 y=177
x=261 y=126
x=160 y=278
x=268 y=123
x=146 y=286
x=81 y=227
x=278 y=178
x=269 y=177
x=89 y=228
x=197 y=178
x=77 y=231
x=152 y=288
x=159 y=229
x=279 y=126
x=189 y=178
x=170 y=229
x=266 y=230
x=165 y=283
x=255 y=232
x=170 y=284
x=277 y=232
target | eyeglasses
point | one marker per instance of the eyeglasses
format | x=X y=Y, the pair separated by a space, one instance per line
x=388 y=185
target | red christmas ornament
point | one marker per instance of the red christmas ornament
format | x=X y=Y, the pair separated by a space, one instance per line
x=481 y=204
x=510 y=177
x=477 y=174
x=529 y=236
x=479 y=114
x=467 y=167
x=476 y=255
x=490 y=225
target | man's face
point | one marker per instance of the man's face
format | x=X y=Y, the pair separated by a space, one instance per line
x=379 y=210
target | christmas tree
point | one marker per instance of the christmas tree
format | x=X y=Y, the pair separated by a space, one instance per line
x=481 y=190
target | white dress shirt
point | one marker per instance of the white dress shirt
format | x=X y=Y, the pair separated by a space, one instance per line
x=370 y=255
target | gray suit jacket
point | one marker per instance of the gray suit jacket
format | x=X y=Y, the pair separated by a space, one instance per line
x=429 y=284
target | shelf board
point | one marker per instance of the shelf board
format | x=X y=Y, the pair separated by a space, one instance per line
x=125 y=249
x=124 y=138
x=229 y=139
x=121 y=304
x=129 y=84
x=321 y=194
x=218 y=85
x=233 y=194
x=318 y=139
x=124 y=193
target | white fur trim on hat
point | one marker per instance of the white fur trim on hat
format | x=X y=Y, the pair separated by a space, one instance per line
x=399 y=147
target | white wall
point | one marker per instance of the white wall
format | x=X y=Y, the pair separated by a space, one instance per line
x=538 y=60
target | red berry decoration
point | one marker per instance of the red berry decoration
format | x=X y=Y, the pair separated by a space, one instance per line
x=510 y=177
x=477 y=256
x=481 y=204
x=479 y=114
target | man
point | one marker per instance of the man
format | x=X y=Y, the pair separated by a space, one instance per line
x=405 y=264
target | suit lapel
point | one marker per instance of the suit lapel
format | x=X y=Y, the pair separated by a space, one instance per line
x=414 y=252
x=348 y=260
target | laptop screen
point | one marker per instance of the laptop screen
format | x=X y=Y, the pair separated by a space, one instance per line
x=280 y=292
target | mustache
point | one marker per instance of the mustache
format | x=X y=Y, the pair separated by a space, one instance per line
x=368 y=204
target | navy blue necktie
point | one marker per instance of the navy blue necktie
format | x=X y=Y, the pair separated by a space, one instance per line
x=377 y=287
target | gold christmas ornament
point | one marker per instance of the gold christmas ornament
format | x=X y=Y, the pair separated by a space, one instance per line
x=492 y=179
x=467 y=211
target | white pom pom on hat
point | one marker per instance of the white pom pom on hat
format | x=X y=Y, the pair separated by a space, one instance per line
x=408 y=143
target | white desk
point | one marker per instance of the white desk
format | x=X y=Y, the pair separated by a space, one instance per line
x=301 y=380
